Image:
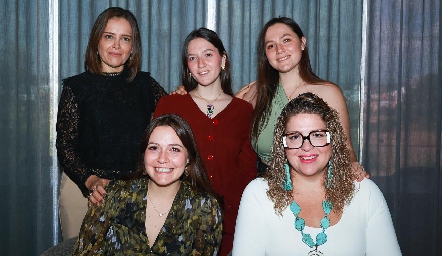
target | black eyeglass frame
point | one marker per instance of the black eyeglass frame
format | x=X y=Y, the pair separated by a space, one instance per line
x=284 y=143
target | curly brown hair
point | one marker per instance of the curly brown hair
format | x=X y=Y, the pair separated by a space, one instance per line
x=340 y=187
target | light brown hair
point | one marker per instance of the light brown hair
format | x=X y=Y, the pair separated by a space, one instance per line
x=92 y=59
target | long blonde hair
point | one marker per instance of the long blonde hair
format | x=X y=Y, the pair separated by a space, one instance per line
x=341 y=188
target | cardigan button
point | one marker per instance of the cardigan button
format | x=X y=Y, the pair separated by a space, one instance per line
x=210 y=137
x=215 y=122
x=210 y=157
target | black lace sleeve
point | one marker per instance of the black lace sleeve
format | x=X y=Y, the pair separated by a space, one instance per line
x=67 y=142
x=158 y=91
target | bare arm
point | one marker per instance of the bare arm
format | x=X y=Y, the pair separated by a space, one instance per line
x=333 y=95
x=248 y=93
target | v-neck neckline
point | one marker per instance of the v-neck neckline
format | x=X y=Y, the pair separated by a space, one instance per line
x=202 y=113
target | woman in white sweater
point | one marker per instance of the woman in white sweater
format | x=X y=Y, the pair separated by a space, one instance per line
x=307 y=203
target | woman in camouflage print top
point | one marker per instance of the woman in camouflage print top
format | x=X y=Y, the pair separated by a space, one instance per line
x=167 y=208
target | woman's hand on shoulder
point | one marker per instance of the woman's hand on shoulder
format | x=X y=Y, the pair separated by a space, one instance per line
x=96 y=185
x=180 y=90
x=248 y=93
x=359 y=172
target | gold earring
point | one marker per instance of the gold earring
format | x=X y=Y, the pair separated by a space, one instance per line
x=223 y=67
x=190 y=74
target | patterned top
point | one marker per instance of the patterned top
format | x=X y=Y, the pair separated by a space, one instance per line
x=117 y=227
x=100 y=122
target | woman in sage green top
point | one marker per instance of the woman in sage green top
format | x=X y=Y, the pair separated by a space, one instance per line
x=284 y=72
x=265 y=138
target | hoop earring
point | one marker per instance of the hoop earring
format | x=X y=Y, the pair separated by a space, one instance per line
x=288 y=181
x=329 y=174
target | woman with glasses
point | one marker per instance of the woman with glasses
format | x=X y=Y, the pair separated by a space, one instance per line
x=307 y=203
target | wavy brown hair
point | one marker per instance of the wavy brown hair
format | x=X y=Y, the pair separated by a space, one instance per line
x=341 y=188
x=196 y=174
x=93 y=61
x=268 y=77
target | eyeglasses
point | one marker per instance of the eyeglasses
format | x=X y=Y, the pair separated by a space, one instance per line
x=318 y=138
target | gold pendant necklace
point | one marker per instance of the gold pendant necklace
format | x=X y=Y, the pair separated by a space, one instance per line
x=290 y=97
x=210 y=106
x=159 y=214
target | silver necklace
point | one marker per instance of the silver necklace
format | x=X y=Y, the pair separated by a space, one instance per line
x=159 y=213
x=112 y=73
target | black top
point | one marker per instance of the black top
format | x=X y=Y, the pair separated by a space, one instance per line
x=100 y=122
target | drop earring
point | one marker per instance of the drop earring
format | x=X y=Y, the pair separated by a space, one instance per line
x=288 y=181
x=329 y=174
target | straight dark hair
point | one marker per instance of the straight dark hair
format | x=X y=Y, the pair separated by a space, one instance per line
x=211 y=37
x=92 y=59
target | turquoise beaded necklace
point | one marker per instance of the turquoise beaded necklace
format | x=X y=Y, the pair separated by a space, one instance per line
x=321 y=238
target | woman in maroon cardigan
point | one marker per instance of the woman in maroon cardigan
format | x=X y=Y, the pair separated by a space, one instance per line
x=220 y=122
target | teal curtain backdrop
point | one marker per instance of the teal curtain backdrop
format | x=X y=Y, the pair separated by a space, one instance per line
x=385 y=56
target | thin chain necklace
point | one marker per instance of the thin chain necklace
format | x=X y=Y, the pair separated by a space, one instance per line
x=290 y=97
x=299 y=224
x=159 y=214
x=210 y=106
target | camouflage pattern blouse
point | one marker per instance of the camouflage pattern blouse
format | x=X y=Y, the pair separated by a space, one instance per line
x=117 y=227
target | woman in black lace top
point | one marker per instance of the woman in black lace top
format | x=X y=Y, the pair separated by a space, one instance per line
x=102 y=115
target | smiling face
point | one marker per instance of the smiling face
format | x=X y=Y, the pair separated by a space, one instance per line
x=283 y=47
x=115 y=45
x=165 y=157
x=204 y=62
x=307 y=160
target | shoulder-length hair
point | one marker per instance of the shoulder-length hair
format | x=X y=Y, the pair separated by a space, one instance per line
x=196 y=173
x=268 y=77
x=211 y=37
x=92 y=62
x=340 y=187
